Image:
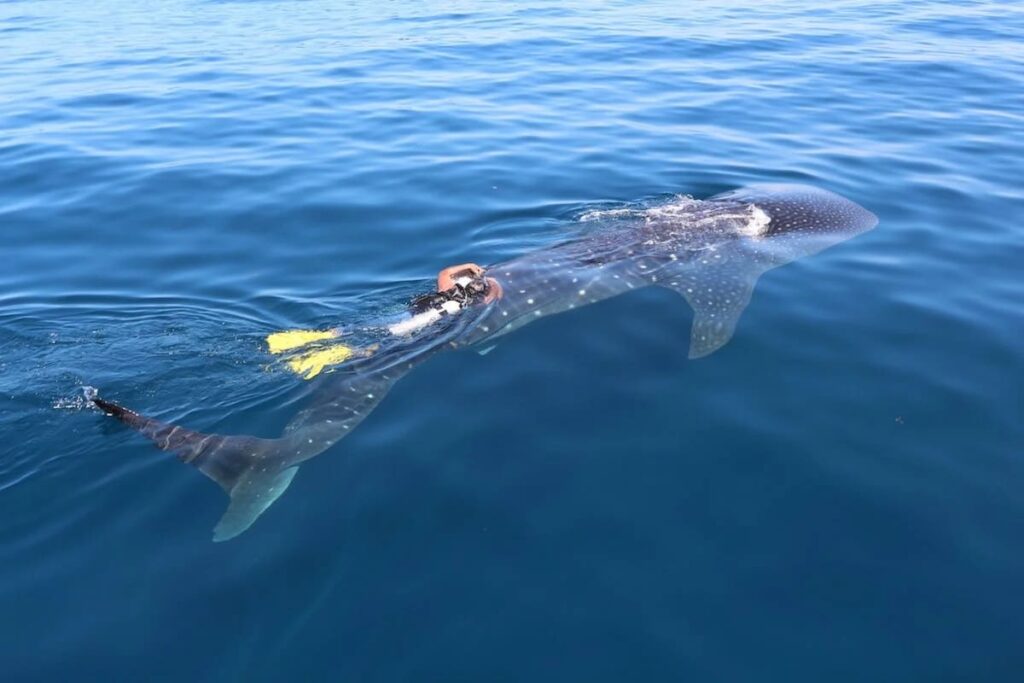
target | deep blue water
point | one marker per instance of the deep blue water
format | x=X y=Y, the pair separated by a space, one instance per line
x=838 y=494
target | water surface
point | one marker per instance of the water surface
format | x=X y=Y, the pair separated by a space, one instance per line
x=835 y=495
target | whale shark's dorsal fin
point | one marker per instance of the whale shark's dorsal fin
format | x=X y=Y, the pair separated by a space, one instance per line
x=718 y=291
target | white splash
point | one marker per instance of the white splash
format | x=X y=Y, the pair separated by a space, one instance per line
x=81 y=400
x=688 y=213
x=677 y=207
x=757 y=224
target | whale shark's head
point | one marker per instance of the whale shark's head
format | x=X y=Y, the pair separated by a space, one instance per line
x=801 y=219
x=782 y=223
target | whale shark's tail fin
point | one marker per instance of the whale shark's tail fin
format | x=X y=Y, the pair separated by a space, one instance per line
x=244 y=466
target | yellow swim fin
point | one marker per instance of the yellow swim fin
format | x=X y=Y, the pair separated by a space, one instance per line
x=309 y=365
x=279 y=342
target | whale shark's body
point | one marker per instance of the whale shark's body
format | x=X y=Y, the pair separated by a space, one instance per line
x=710 y=251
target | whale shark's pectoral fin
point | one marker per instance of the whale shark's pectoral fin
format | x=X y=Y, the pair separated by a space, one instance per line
x=717 y=293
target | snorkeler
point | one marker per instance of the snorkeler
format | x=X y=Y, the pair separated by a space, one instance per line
x=458 y=287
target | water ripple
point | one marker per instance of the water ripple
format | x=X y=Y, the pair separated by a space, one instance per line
x=178 y=179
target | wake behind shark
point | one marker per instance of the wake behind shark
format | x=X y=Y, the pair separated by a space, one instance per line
x=711 y=252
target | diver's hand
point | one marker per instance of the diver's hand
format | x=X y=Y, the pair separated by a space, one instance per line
x=446 y=278
x=494 y=290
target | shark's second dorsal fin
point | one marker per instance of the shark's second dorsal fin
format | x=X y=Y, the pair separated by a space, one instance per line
x=717 y=287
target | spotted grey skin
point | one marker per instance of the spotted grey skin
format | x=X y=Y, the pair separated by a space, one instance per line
x=711 y=252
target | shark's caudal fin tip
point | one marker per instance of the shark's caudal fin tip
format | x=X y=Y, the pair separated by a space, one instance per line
x=106 y=406
x=92 y=395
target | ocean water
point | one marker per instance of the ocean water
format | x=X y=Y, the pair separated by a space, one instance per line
x=838 y=494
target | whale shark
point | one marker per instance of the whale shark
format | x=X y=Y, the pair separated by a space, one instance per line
x=711 y=252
